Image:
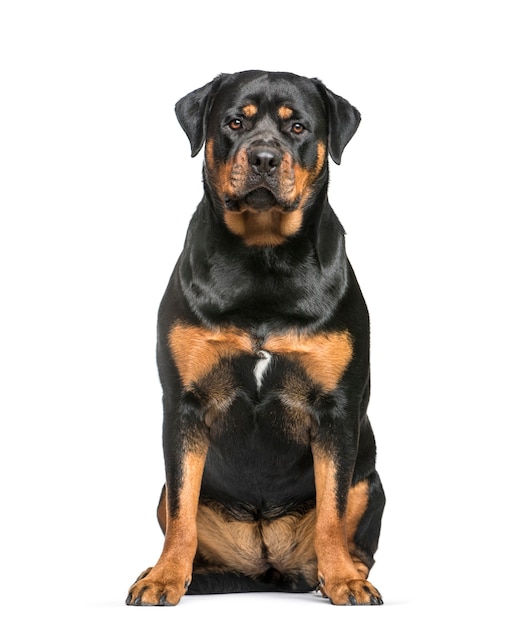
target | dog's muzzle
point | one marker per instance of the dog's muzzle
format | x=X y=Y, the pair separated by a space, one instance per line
x=262 y=181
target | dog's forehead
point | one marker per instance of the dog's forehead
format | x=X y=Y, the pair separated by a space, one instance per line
x=268 y=91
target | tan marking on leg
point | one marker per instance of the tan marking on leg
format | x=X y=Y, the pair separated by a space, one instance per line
x=357 y=501
x=169 y=579
x=335 y=566
x=341 y=578
x=162 y=511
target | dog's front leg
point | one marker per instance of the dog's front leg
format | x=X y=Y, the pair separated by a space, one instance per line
x=185 y=455
x=339 y=509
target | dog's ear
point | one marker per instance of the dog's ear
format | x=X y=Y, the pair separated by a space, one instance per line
x=192 y=112
x=343 y=120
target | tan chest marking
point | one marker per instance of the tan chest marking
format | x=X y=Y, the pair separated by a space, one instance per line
x=197 y=351
x=324 y=356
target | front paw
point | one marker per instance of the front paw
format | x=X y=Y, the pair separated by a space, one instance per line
x=158 y=587
x=355 y=591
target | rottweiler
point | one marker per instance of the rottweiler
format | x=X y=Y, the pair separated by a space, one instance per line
x=263 y=358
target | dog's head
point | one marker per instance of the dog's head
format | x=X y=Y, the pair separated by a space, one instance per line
x=268 y=136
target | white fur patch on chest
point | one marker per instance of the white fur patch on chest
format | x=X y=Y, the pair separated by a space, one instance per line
x=261 y=366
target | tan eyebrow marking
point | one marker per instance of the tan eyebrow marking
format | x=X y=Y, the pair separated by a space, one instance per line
x=249 y=110
x=285 y=113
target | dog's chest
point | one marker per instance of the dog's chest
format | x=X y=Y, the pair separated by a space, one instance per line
x=224 y=367
x=198 y=352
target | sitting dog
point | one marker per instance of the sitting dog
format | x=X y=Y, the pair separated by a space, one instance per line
x=263 y=357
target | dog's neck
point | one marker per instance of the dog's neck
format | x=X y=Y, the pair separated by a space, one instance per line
x=304 y=277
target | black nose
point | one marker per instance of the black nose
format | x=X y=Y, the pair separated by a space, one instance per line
x=264 y=160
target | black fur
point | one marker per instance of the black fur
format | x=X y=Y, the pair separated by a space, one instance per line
x=259 y=461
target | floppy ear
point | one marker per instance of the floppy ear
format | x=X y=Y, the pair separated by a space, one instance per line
x=192 y=112
x=343 y=120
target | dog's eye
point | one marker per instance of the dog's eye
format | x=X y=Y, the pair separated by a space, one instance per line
x=235 y=124
x=297 y=128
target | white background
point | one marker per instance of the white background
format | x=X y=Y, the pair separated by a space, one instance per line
x=97 y=187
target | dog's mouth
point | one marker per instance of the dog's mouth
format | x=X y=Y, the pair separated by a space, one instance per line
x=260 y=199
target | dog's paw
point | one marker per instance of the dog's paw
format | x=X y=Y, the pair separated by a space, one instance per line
x=157 y=587
x=355 y=591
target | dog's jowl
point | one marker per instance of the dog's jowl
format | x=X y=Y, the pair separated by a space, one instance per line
x=263 y=356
